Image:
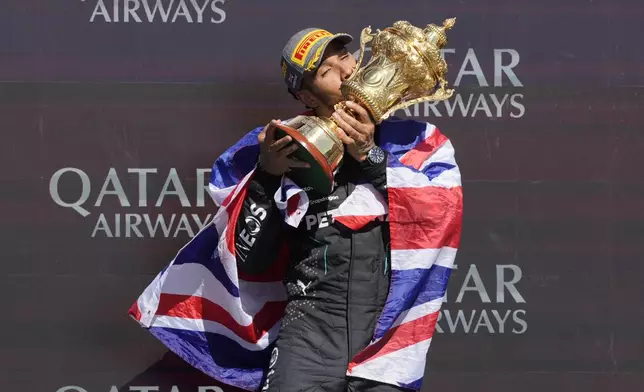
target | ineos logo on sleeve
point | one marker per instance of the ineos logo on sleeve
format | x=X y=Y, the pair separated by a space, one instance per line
x=258 y=211
x=253 y=224
x=274 y=355
x=271 y=365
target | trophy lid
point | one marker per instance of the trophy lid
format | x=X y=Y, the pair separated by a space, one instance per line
x=438 y=35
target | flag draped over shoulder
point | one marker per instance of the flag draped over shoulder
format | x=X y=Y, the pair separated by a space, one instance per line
x=223 y=322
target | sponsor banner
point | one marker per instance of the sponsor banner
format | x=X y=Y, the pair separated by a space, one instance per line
x=476 y=304
x=147 y=388
x=141 y=210
x=483 y=89
x=157 y=11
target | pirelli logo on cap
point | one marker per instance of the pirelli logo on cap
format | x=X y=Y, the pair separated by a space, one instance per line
x=304 y=46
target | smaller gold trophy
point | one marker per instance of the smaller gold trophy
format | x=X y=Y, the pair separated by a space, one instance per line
x=406 y=68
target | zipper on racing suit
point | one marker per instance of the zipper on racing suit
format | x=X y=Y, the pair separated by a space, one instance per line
x=350 y=188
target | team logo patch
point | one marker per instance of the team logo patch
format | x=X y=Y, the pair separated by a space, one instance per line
x=304 y=46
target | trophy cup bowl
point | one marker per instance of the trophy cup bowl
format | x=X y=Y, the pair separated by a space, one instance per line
x=406 y=67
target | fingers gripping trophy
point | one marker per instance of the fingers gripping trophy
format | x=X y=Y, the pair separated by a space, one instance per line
x=406 y=67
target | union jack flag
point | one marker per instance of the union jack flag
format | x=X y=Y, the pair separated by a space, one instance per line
x=223 y=322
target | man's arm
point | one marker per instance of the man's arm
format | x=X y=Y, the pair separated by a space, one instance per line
x=259 y=225
x=374 y=174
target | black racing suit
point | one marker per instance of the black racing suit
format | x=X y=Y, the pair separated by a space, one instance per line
x=337 y=281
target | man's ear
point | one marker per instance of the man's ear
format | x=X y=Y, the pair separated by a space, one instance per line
x=308 y=98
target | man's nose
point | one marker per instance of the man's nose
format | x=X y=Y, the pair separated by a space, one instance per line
x=346 y=71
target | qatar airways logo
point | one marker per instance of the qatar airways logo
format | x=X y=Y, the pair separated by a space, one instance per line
x=473 y=305
x=149 y=388
x=489 y=89
x=157 y=11
x=138 y=197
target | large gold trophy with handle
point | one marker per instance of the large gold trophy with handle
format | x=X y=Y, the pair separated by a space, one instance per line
x=406 y=67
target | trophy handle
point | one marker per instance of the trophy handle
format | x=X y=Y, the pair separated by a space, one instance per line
x=365 y=38
x=440 y=95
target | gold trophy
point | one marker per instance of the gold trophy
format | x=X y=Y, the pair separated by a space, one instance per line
x=406 y=67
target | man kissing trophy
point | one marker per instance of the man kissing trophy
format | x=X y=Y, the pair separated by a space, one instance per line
x=406 y=68
x=327 y=264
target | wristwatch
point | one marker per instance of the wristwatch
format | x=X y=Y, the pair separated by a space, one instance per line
x=376 y=155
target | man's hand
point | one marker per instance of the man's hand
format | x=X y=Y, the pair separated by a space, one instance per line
x=356 y=133
x=274 y=155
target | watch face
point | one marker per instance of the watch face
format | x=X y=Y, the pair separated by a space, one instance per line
x=376 y=155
